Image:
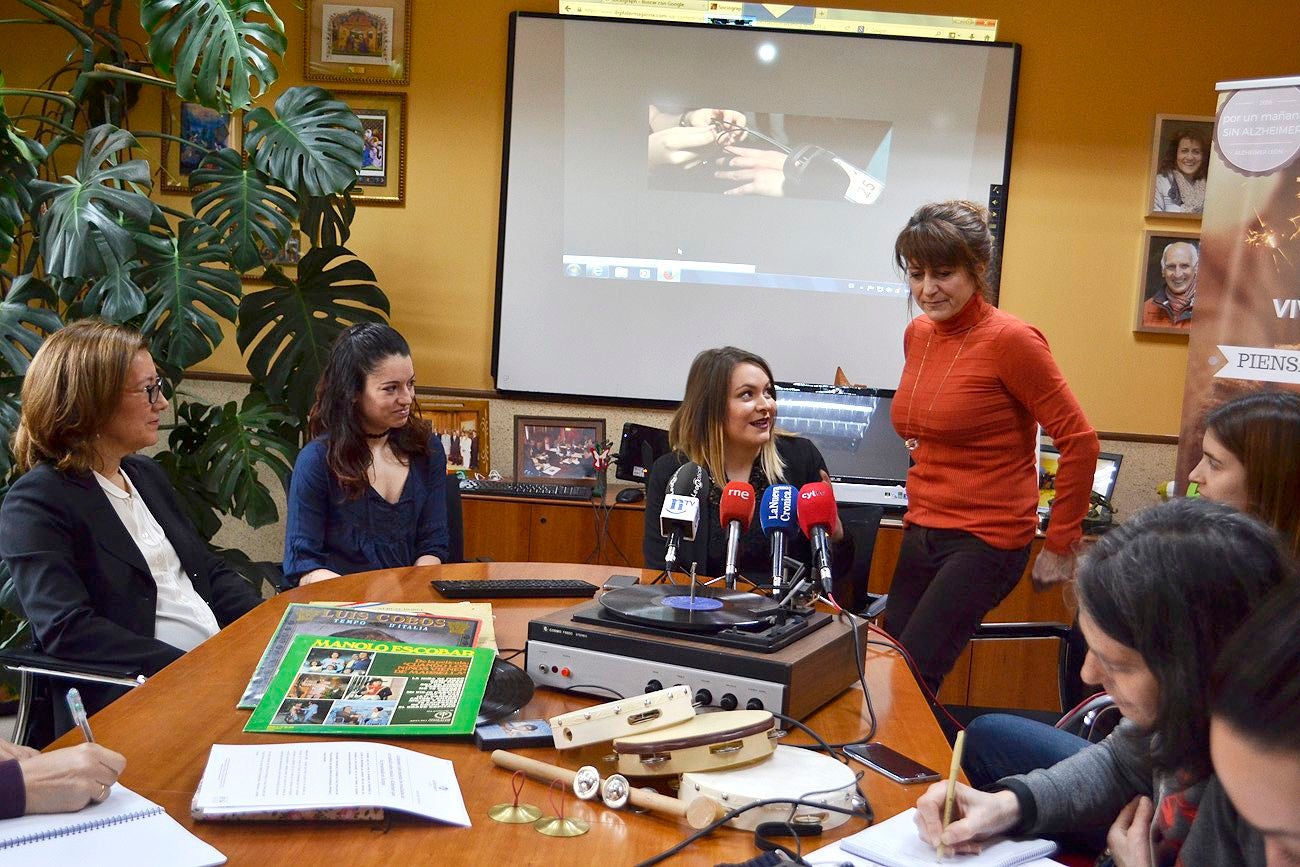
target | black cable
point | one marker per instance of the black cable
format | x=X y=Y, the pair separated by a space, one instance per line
x=574 y=687
x=731 y=814
x=509 y=653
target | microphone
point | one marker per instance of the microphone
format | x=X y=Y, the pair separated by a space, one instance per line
x=778 y=521
x=736 y=511
x=680 y=516
x=817 y=518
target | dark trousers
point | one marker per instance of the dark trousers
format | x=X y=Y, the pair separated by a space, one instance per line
x=944 y=584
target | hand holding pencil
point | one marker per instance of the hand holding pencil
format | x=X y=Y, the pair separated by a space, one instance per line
x=954 y=818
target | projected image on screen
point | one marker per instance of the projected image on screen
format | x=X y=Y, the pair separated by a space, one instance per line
x=738 y=153
x=765 y=214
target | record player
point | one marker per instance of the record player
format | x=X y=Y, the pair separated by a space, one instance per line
x=733 y=649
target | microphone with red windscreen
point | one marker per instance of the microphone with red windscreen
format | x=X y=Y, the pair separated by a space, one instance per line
x=817 y=518
x=735 y=511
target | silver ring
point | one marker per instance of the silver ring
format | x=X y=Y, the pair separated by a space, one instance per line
x=103 y=795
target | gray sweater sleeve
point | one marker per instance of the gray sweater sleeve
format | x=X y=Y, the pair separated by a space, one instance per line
x=1089 y=789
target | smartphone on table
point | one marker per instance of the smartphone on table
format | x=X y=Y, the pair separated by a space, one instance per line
x=891 y=763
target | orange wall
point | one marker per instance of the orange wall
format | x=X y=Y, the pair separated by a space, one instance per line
x=1090 y=86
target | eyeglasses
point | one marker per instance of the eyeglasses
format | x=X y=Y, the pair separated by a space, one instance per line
x=153 y=391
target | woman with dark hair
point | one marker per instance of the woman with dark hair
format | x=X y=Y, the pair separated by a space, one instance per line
x=368 y=490
x=106 y=564
x=976 y=384
x=1159 y=597
x=726 y=423
x=1255 y=723
x=1250 y=459
x=1180 y=176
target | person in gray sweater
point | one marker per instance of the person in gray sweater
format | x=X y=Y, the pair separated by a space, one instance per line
x=1159 y=597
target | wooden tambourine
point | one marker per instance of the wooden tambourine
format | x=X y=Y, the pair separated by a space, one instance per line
x=604 y=722
x=705 y=743
x=789 y=773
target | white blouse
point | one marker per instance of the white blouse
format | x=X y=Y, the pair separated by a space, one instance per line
x=183 y=619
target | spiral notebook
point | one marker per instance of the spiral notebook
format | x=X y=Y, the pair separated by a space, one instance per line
x=895 y=843
x=113 y=833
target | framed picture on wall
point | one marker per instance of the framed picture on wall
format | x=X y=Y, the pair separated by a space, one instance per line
x=1180 y=158
x=366 y=41
x=1167 y=292
x=382 y=178
x=462 y=428
x=202 y=128
x=286 y=258
x=556 y=449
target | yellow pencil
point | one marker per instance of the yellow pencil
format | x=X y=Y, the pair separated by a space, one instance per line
x=948 y=800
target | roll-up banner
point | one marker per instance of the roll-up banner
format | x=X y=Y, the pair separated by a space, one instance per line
x=1246 y=333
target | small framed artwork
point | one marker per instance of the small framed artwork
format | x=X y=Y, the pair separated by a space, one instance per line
x=1167 y=296
x=365 y=41
x=382 y=178
x=286 y=259
x=1180 y=158
x=556 y=449
x=462 y=427
x=202 y=128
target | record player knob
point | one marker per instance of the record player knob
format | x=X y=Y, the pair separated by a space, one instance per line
x=653 y=686
x=703 y=698
x=754 y=704
x=728 y=702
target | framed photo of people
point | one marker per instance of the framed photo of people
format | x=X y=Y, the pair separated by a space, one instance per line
x=556 y=449
x=366 y=41
x=1180 y=158
x=286 y=258
x=462 y=428
x=1167 y=294
x=203 y=129
x=382 y=177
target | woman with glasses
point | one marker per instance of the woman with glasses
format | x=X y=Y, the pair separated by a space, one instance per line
x=105 y=563
x=369 y=490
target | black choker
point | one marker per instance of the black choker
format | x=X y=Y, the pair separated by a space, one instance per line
x=377 y=436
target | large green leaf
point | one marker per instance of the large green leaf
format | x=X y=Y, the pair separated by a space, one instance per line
x=10 y=389
x=93 y=205
x=242 y=440
x=327 y=220
x=20 y=159
x=23 y=328
x=180 y=273
x=243 y=206
x=115 y=295
x=213 y=48
x=286 y=330
x=311 y=144
x=195 y=490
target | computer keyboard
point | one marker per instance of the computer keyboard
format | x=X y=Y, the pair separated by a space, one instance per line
x=538 y=490
x=519 y=587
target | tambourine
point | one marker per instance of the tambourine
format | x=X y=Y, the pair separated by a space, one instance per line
x=604 y=722
x=789 y=773
x=707 y=742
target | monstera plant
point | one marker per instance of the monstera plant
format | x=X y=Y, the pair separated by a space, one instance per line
x=80 y=234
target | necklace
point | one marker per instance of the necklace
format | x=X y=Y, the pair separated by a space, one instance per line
x=913 y=442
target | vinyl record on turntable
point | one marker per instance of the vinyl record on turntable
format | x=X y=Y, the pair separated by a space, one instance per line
x=671 y=606
x=508 y=689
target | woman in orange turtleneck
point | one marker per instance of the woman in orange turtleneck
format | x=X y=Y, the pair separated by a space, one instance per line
x=976 y=384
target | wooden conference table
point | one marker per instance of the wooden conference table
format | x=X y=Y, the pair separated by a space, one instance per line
x=165 y=727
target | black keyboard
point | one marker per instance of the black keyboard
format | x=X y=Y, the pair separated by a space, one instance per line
x=505 y=587
x=538 y=490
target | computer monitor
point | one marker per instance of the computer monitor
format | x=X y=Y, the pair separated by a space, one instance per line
x=1103 y=481
x=866 y=459
x=640 y=447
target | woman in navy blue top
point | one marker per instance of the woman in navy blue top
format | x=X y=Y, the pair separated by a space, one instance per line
x=368 y=490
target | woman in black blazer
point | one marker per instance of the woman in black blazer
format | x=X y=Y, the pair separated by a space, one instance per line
x=107 y=567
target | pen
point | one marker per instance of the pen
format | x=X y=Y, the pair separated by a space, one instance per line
x=957 y=747
x=79 y=714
